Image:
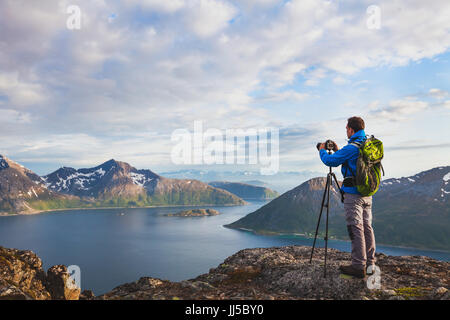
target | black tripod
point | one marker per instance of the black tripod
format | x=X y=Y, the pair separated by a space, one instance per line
x=326 y=193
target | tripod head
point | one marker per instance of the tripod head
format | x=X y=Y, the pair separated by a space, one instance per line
x=329 y=145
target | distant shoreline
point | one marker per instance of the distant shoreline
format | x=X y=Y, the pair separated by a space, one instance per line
x=5 y=214
x=273 y=233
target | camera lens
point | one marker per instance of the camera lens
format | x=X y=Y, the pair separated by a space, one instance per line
x=329 y=145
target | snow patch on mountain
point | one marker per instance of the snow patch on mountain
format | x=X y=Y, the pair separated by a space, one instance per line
x=82 y=180
x=446 y=177
x=139 y=178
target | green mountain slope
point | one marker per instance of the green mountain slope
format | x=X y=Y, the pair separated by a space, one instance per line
x=411 y=211
x=245 y=191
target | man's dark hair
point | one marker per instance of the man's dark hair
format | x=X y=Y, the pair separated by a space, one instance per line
x=356 y=123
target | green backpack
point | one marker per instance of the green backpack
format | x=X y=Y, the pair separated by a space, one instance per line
x=368 y=166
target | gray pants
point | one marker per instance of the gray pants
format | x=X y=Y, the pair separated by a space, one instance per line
x=358 y=214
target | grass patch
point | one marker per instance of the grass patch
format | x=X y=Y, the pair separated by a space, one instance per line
x=411 y=292
x=242 y=275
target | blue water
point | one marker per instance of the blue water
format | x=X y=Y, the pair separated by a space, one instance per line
x=112 y=248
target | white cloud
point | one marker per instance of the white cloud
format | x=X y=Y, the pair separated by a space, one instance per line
x=160 y=6
x=14 y=117
x=138 y=73
x=339 y=80
x=397 y=110
x=20 y=93
x=289 y=95
x=283 y=74
x=208 y=17
x=313 y=77
x=438 y=93
x=447 y=104
x=374 y=105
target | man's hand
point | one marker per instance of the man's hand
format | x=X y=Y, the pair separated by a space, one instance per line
x=335 y=147
x=322 y=146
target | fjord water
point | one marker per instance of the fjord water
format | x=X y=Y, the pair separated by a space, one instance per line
x=115 y=246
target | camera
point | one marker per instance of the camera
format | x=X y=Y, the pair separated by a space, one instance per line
x=329 y=145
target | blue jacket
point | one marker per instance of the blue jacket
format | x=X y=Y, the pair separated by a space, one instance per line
x=348 y=153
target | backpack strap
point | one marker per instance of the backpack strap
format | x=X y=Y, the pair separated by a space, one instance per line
x=347 y=167
x=356 y=144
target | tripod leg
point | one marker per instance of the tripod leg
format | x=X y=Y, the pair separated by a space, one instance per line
x=336 y=181
x=329 y=182
x=318 y=221
x=338 y=186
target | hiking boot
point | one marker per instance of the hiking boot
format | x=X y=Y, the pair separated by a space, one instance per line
x=372 y=269
x=352 y=271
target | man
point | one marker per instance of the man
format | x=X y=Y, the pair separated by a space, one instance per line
x=358 y=209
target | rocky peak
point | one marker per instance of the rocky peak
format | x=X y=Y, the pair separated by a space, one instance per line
x=314 y=184
x=311 y=193
x=89 y=181
x=111 y=164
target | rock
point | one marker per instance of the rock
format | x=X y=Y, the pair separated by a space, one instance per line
x=194 y=213
x=60 y=285
x=87 y=295
x=441 y=290
x=389 y=292
x=10 y=292
x=196 y=285
x=21 y=275
x=446 y=296
x=396 y=298
x=147 y=282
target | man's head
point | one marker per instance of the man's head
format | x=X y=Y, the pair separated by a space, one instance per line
x=354 y=124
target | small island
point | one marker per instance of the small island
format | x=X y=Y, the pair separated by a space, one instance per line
x=194 y=213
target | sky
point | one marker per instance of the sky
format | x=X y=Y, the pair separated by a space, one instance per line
x=136 y=71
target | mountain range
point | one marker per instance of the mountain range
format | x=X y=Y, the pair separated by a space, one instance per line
x=281 y=181
x=21 y=190
x=245 y=190
x=411 y=211
x=111 y=184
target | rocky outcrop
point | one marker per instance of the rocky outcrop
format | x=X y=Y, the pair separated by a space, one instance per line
x=22 y=278
x=194 y=213
x=285 y=273
x=21 y=275
x=60 y=285
x=260 y=273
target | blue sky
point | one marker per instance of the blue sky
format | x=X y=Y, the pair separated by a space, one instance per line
x=138 y=70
